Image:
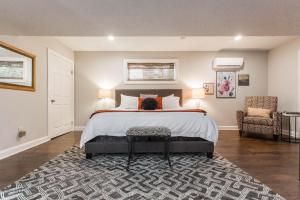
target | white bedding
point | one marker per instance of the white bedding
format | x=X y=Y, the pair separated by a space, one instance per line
x=187 y=124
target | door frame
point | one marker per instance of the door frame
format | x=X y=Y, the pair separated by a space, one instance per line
x=298 y=94
x=50 y=51
x=298 y=82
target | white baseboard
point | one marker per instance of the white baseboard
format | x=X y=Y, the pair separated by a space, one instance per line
x=79 y=128
x=231 y=128
x=286 y=132
x=22 y=147
x=234 y=128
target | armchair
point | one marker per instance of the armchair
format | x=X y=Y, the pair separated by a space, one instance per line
x=263 y=125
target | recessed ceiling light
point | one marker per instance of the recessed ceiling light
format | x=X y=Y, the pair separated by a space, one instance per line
x=238 y=37
x=111 y=37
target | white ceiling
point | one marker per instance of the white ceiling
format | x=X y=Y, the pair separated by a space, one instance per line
x=150 y=17
x=171 y=43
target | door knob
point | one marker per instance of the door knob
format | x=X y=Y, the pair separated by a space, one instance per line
x=52 y=100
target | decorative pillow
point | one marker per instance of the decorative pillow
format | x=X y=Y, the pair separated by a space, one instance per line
x=158 y=100
x=144 y=96
x=259 y=112
x=149 y=104
x=128 y=102
x=170 y=102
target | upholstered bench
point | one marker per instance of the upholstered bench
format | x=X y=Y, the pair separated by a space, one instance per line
x=148 y=131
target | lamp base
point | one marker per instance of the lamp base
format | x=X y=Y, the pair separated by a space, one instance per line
x=197 y=103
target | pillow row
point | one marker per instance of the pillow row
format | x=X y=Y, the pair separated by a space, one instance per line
x=169 y=102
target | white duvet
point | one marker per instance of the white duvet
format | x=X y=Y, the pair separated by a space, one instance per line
x=187 y=124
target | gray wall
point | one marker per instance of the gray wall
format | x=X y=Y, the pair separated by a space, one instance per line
x=283 y=75
x=27 y=109
x=94 y=70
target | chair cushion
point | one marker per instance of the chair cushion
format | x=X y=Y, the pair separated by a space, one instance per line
x=259 y=121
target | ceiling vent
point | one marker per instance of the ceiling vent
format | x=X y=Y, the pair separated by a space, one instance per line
x=228 y=64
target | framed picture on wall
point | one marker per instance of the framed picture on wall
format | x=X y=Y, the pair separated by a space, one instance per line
x=150 y=71
x=17 y=68
x=209 y=88
x=243 y=80
x=226 y=84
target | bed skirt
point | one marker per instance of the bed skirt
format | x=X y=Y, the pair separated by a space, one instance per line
x=112 y=144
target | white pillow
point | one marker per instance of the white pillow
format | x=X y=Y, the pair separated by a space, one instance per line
x=144 y=96
x=172 y=95
x=129 y=102
x=171 y=102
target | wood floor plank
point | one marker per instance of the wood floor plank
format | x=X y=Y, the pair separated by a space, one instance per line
x=273 y=163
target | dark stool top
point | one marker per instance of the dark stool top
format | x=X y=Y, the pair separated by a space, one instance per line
x=148 y=131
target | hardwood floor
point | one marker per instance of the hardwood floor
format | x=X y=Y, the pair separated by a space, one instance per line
x=273 y=163
x=14 y=167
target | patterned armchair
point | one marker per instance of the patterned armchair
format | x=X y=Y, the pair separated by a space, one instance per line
x=271 y=125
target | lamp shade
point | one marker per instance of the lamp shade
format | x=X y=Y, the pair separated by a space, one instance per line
x=104 y=93
x=198 y=93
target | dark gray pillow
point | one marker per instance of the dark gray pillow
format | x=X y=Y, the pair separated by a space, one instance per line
x=149 y=104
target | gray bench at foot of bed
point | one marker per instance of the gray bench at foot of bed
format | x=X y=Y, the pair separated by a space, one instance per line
x=143 y=133
x=119 y=145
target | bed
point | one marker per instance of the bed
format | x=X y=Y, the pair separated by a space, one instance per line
x=192 y=132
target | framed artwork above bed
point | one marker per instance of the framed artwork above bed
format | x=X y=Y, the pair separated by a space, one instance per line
x=150 y=71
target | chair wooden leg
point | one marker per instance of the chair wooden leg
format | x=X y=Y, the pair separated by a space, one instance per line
x=241 y=133
x=275 y=137
x=241 y=130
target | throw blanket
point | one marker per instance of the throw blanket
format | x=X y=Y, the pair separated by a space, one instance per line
x=157 y=110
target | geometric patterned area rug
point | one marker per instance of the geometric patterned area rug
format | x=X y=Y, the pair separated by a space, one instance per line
x=193 y=177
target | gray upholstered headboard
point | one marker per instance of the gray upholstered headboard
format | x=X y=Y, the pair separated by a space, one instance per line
x=137 y=92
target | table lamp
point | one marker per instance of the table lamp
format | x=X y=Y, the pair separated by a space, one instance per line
x=198 y=93
x=104 y=94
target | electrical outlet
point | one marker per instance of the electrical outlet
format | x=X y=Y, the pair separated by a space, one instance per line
x=21 y=132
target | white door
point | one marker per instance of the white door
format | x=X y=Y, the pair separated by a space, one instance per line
x=60 y=94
